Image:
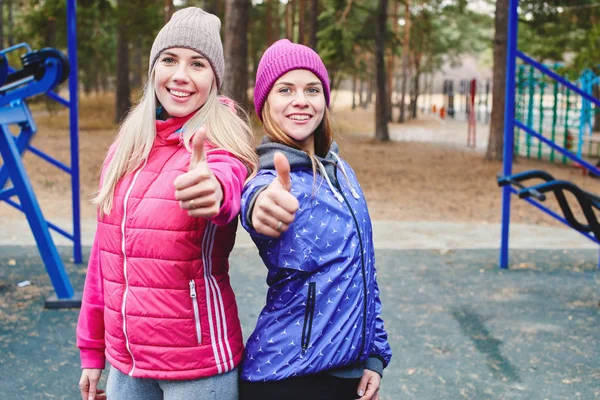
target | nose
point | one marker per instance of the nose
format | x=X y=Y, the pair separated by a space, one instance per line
x=300 y=100
x=181 y=74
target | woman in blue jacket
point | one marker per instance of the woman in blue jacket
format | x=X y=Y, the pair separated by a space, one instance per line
x=320 y=335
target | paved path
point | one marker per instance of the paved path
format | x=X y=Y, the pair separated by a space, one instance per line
x=387 y=235
x=459 y=327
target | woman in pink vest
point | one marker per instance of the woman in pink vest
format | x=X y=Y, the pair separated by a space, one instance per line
x=157 y=302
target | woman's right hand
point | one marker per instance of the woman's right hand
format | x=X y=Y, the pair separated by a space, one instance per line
x=275 y=208
x=88 y=384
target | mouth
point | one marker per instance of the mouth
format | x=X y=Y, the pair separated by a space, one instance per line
x=299 y=117
x=179 y=93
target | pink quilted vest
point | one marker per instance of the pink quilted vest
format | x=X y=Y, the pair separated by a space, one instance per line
x=169 y=309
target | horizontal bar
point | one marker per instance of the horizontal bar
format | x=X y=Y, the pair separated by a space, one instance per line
x=54 y=96
x=49 y=159
x=557 y=77
x=554 y=215
x=15 y=47
x=59 y=230
x=50 y=224
x=7 y=193
x=550 y=143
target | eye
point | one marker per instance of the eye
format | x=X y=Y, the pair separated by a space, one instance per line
x=285 y=90
x=313 y=90
x=198 y=64
x=168 y=60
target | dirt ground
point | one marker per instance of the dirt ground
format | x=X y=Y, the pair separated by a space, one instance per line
x=403 y=181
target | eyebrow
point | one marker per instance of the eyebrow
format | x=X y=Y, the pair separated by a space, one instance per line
x=292 y=84
x=198 y=57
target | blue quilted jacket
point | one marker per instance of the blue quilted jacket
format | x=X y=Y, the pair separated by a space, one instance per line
x=322 y=310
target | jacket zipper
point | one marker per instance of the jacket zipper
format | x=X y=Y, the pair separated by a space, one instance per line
x=125 y=200
x=196 y=312
x=362 y=264
x=308 y=315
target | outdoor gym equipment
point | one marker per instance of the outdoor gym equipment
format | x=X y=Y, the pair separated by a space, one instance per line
x=588 y=202
x=511 y=122
x=41 y=71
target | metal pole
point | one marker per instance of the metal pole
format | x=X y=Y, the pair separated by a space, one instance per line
x=74 y=127
x=509 y=119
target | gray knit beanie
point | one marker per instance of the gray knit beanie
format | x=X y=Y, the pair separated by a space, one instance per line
x=195 y=29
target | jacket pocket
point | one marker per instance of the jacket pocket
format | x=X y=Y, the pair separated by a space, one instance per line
x=196 y=311
x=308 y=315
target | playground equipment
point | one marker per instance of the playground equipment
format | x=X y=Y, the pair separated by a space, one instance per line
x=533 y=195
x=588 y=202
x=555 y=111
x=41 y=71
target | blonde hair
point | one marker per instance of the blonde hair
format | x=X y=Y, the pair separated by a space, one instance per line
x=224 y=129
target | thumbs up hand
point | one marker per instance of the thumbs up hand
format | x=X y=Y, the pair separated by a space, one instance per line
x=275 y=208
x=198 y=191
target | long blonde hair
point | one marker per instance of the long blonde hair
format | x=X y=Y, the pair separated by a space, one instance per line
x=224 y=129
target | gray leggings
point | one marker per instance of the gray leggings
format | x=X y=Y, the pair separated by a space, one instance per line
x=219 y=387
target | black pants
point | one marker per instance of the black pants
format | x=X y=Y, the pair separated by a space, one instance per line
x=312 y=387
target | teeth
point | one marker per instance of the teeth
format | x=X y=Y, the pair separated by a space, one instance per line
x=179 y=94
x=299 y=117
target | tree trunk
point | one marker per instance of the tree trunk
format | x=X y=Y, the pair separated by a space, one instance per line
x=361 y=89
x=10 y=24
x=390 y=61
x=596 y=93
x=123 y=101
x=1 y=24
x=353 y=92
x=301 y=13
x=369 y=92
x=381 y=115
x=235 y=81
x=405 y=54
x=136 y=74
x=268 y=22
x=289 y=20
x=496 y=138
x=167 y=10
x=50 y=40
x=415 y=95
x=314 y=25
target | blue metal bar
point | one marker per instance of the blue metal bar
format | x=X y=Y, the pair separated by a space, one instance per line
x=50 y=224
x=557 y=77
x=39 y=227
x=54 y=96
x=74 y=127
x=564 y=152
x=7 y=193
x=15 y=47
x=548 y=211
x=51 y=160
x=509 y=117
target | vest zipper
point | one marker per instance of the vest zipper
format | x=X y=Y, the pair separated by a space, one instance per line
x=196 y=311
x=123 y=306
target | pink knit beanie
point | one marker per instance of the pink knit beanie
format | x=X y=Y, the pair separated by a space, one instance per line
x=280 y=58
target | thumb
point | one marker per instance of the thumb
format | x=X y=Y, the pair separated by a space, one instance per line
x=197 y=146
x=282 y=167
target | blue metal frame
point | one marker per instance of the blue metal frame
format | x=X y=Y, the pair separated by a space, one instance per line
x=510 y=122
x=14 y=110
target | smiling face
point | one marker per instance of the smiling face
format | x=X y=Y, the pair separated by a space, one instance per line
x=297 y=105
x=182 y=81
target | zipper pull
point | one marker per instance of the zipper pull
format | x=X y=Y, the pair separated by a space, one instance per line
x=192 y=289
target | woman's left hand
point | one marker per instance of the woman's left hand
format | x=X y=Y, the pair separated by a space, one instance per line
x=368 y=388
x=198 y=191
